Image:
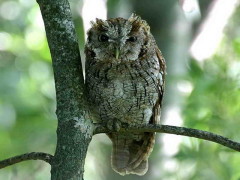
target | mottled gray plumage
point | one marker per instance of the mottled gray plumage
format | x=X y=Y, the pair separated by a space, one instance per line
x=125 y=74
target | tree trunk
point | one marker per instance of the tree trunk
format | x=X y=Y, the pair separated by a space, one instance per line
x=74 y=130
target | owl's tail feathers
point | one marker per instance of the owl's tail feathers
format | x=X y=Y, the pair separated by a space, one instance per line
x=131 y=151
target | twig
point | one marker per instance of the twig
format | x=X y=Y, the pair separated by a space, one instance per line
x=25 y=157
x=99 y=128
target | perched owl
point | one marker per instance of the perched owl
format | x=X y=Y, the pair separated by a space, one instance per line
x=125 y=74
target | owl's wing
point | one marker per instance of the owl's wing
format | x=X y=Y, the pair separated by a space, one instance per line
x=160 y=85
x=133 y=155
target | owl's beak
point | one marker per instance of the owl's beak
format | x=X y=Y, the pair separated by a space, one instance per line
x=117 y=52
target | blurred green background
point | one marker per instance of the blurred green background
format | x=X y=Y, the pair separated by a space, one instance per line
x=202 y=88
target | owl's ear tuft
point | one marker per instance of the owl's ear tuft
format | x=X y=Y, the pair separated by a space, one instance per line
x=99 y=21
x=134 y=18
x=146 y=27
x=137 y=23
x=93 y=24
x=104 y=25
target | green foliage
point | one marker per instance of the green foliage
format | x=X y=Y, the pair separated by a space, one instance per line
x=214 y=105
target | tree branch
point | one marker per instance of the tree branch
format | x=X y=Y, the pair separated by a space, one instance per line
x=99 y=128
x=25 y=157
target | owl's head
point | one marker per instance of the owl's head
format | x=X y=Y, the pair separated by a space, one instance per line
x=118 y=39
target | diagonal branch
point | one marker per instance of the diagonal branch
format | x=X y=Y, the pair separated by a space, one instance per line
x=25 y=157
x=99 y=128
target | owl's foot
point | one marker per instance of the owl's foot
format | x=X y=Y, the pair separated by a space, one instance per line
x=114 y=126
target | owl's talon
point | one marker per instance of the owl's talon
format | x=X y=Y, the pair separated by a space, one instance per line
x=114 y=126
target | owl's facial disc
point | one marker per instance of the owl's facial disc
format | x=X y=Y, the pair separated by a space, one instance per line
x=116 y=43
x=118 y=47
x=116 y=40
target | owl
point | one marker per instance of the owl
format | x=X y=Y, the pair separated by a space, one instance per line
x=125 y=77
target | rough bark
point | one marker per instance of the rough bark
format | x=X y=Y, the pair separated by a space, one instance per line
x=74 y=131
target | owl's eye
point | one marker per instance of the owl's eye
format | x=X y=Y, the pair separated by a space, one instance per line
x=132 y=39
x=103 y=38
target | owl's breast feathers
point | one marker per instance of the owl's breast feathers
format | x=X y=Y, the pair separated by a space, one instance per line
x=127 y=91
